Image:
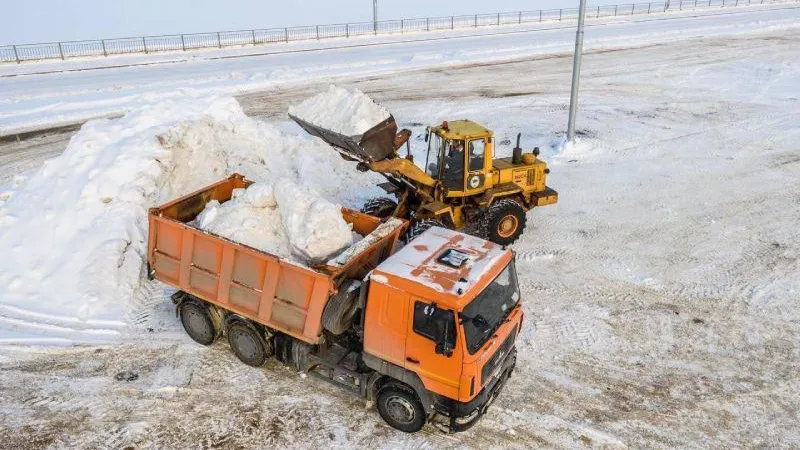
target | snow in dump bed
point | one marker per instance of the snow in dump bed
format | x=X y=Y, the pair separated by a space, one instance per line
x=427 y=261
x=346 y=112
x=283 y=219
x=381 y=231
x=73 y=235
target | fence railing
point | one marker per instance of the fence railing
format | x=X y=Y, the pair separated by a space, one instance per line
x=184 y=42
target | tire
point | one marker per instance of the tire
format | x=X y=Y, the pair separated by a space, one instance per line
x=197 y=322
x=504 y=222
x=399 y=407
x=341 y=308
x=247 y=344
x=382 y=207
x=418 y=227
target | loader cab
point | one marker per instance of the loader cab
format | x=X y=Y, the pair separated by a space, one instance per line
x=447 y=308
x=460 y=157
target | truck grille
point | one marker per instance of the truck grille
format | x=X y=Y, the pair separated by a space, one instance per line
x=498 y=357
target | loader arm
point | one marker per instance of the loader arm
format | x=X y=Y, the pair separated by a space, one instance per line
x=403 y=168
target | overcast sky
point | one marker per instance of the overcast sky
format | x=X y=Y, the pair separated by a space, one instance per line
x=51 y=20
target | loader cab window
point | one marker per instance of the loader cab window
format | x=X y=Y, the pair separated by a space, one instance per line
x=445 y=161
x=476 y=154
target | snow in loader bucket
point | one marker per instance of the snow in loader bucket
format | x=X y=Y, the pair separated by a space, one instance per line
x=376 y=144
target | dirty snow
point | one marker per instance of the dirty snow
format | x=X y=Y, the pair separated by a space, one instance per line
x=337 y=109
x=359 y=247
x=284 y=219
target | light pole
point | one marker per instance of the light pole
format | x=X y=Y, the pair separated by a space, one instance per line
x=576 y=73
x=375 y=16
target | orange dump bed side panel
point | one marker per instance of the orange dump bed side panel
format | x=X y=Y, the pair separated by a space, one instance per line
x=249 y=282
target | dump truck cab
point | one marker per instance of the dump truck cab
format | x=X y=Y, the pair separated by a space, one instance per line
x=442 y=315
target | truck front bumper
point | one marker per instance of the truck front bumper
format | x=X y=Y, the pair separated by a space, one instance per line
x=460 y=416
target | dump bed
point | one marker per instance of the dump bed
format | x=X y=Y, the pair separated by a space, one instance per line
x=255 y=284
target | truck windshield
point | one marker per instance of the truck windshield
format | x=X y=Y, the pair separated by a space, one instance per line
x=484 y=315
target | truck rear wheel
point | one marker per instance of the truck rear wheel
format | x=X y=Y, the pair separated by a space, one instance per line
x=400 y=408
x=197 y=322
x=247 y=344
x=504 y=222
x=379 y=207
x=341 y=308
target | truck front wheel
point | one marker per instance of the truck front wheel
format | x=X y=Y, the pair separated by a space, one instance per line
x=197 y=322
x=247 y=344
x=400 y=408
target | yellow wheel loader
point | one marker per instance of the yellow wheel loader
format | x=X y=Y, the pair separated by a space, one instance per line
x=461 y=187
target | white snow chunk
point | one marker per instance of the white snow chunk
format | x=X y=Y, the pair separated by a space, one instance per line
x=285 y=220
x=346 y=112
x=315 y=226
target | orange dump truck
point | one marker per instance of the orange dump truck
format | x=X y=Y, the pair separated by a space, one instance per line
x=427 y=332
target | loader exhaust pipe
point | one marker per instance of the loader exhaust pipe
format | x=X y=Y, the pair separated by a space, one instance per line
x=516 y=157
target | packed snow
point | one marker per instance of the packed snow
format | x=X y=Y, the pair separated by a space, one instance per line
x=74 y=234
x=284 y=219
x=345 y=112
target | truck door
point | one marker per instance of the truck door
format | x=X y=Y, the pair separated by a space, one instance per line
x=439 y=373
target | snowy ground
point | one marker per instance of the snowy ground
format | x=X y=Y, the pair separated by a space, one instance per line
x=33 y=97
x=661 y=291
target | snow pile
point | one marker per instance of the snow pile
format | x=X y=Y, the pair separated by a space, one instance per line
x=284 y=219
x=346 y=112
x=74 y=235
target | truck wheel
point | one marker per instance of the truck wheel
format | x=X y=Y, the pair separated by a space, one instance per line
x=197 y=322
x=400 y=408
x=247 y=344
x=341 y=308
x=504 y=222
x=379 y=207
x=420 y=226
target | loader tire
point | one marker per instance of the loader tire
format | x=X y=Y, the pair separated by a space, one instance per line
x=196 y=320
x=504 y=222
x=341 y=308
x=420 y=226
x=247 y=344
x=382 y=207
x=400 y=407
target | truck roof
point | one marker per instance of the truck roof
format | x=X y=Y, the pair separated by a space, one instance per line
x=446 y=261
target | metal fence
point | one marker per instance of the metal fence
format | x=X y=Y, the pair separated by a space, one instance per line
x=183 y=42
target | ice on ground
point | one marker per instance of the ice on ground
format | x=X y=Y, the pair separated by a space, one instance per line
x=283 y=219
x=346 y=112
x=74 y=234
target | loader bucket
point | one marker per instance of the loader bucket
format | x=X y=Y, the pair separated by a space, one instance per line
x=376 y=144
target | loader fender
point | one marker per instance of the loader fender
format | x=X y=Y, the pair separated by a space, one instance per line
x=394 y=372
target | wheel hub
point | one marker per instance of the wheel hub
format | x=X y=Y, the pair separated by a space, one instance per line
x=400 y=409
x=507 y=226
x=245 y=345
x=198 y=324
